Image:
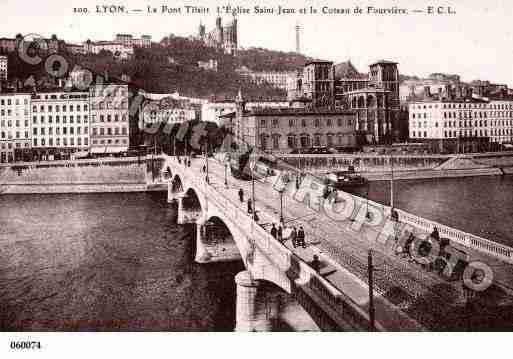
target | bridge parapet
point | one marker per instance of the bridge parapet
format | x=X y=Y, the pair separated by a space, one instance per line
x=480 y=244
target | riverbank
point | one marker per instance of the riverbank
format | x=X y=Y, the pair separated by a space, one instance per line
x=429 y=173
x=63 y=188
x=79 y=176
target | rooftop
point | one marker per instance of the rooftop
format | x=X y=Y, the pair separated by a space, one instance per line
x=384 y=62
x=287 y=111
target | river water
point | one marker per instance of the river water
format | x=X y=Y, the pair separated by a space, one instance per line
x=106 y=262
x=120 y=261
x=479 y=205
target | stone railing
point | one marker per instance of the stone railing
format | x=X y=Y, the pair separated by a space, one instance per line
x=480 y=244
x=465 y=239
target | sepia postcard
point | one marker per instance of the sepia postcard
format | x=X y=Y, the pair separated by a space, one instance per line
x=254 y=166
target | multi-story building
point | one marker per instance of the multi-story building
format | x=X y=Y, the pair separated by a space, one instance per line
x=167 y=111
x=501 y=119
x=222 y=37
x=3 y=68
x=214 y=111
x=283 y=130
x=76 y=49
x=117 y=49
x=208 y=65
x=129 y=41
x=60 y=124
x=7 y=45
x=14 y=126
x=278 y=79
x=109 y=118
x=466 y=125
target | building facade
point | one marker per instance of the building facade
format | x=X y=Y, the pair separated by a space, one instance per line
x=109 y=118
x=374 y=97
x=284 y=130
x=166 y=111
x=3 y=68
x=470 y=125
x=278 y=79
x=60 y=124
x=117 y=49
x=214 y=111
x=14 y=126
x=129 y=41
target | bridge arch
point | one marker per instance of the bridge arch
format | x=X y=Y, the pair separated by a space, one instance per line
x=215 y=242
x=176 y=184
x=191 y=201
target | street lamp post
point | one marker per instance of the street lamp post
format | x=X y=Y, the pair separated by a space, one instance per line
x=281 y=208
x=391 y=182
x=206 y=159
x=253 y=190
x=226 y=175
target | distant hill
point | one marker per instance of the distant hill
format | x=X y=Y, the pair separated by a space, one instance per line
x=259 y=59
x=173 y=66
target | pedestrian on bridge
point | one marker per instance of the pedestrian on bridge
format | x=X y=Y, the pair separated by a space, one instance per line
x=280 y=233
x=204 y=168
x=293 y=237
x=274 y=231
x=250 y=207
x=241 y=195
x=316 y=263
x=301 y=237
x=189 y=163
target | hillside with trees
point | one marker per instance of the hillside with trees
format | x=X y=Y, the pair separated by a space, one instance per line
x=172 y=66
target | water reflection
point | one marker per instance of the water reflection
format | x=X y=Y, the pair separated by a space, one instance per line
x=106 y=262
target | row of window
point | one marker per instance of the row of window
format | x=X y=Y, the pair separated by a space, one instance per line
x=469 y=105
x=8 y=135
x=467 y=133
x=9 y=112
x=316 y=122
x=50 y=119
x=304 y=141
x=16 y=123
x=465 y=115
x=110 y=105
x=109 y=142
x=109 y=131
x=109 y=118
x=65 y=131
x=9 y=145
x=65 y=142
x=480 y=123
x=9 y=102
x=57 y=108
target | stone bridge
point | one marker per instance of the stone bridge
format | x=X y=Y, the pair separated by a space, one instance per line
x=274 y=274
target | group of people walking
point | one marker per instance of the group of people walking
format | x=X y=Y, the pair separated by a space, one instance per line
x=281 y=233
x=297 y=237
x=186 y=161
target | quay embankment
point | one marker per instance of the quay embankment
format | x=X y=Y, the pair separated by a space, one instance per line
x=377 y=167
x=78 y=176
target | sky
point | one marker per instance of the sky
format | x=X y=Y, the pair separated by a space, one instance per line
x=476 y=42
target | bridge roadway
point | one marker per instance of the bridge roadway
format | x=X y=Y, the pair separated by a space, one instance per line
x=423 y=296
